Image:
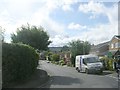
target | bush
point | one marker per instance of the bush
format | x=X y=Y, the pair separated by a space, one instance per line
x=107 y=63
x=69 y=64
x=55 y=57
x=19 y=61
x=73 y=61
x=62 y=62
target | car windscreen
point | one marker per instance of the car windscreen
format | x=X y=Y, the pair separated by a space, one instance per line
x=91 y=60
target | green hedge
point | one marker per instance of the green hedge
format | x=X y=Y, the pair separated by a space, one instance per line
x=19 y=61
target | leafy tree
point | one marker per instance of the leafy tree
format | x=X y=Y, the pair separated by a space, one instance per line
x=65 y=48
x=55 y=57
x=78 y=48
x=33 y=36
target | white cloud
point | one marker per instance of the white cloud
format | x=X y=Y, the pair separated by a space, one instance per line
x=95 y=35
x=76 y=26
x=42 y=17
x=24 y=11
x=67 y=8
x=17 y=13
x=102 y=33
x=97 y=8
x=91 y=7
x=68 y=3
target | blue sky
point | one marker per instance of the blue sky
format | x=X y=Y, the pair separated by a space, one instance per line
x=64 y=20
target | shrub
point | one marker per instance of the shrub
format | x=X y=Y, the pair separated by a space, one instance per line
x=107 y=63
x=55 y=57
x=69 y=64
x=19 y=61
x=62 y=62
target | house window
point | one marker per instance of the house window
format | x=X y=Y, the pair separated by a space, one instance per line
x=119 y=44
x=112 y=45
x=116 y=45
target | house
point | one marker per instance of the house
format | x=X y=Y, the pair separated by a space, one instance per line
x=67 y=57
x=110 y=48
x=117 y=54
x=100 y=49
x=114 y=45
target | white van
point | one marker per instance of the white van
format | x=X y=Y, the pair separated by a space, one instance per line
x=88 y=64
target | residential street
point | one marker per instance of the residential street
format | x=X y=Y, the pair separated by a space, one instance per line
x=68 y=77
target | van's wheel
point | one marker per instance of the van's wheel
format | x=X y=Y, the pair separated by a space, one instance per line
x=86 y=71
x=101 y=71
x=76 y=68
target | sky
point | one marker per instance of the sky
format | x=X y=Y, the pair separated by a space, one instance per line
x=64 y=20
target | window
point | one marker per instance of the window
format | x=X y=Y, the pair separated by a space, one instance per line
x=112 y=45
x=91 y=60
x=84 y=62
x=119 y=44
x=116 y=45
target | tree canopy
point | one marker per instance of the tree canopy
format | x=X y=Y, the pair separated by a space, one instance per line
x=65 y=48
x=33 y=36
x=78 y=47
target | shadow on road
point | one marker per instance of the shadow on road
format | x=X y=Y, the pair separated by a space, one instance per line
x=106 y=72
x=36 y=80
x=103 y=74
x=64 y=80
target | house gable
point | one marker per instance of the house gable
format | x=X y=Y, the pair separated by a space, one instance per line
x=100 y=49
x=114 y=44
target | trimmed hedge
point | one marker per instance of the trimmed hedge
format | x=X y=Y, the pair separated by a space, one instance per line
x=19 y=62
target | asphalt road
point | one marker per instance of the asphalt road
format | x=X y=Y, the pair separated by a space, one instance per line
x=68 y=77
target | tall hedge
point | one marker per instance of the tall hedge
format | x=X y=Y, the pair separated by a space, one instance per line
x=19 y=61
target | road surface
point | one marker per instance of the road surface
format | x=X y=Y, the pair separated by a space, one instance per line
x=68 y=77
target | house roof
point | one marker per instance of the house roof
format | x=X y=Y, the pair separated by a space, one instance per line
x=118 y=36
x=101 y=45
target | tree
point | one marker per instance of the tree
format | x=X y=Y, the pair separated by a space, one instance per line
x=33 y=36
x=55 y=57
x=2 y=34
x=78 y=48
x=65 y=48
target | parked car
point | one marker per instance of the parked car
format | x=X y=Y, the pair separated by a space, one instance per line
x=88 y=64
